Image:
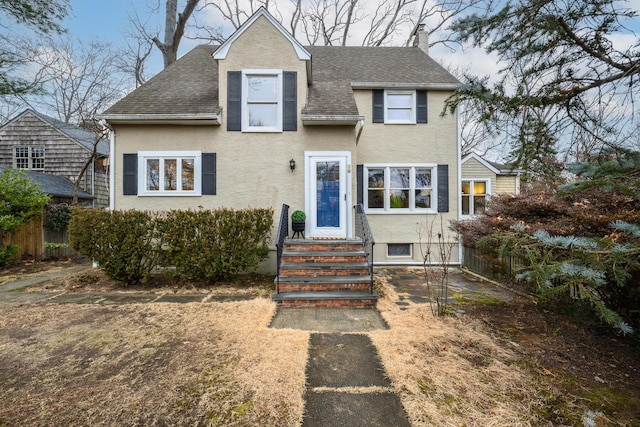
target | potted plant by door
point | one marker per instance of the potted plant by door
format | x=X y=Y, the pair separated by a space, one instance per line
x=297 y=223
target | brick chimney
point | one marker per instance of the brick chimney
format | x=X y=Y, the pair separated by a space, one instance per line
x=421 y=38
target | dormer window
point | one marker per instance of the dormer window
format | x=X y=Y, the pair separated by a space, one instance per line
x=262 y=100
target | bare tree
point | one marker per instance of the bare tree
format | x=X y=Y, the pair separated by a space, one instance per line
x=315 y=22
x=79 y=80
x=174 y=27
x=101 y=131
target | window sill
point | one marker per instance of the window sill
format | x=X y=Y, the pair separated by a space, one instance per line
x=400 y=212
x=172 y=194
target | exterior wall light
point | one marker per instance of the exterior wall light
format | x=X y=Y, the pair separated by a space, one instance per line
x=292 y=165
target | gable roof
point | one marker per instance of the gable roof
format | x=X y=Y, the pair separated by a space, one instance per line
x=82 y=137
x=185 y=90
x=497 y=168
x=54 y=185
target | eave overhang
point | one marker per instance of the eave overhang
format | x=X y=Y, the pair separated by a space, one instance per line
x=326 y=120
x=395 y=85
x=206 y=119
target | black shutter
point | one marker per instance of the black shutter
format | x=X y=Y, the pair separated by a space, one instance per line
x=421 y=106
x=443 y=188
x=209 y=173
x=289 y=100
x=130 y=174
x=234 y=100
x=378 y=106
x=359 y=184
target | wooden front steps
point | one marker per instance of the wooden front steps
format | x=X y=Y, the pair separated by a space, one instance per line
x=324 y=273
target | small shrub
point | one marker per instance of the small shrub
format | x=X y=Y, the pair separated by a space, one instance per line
x=57 y=217
x=298 y=216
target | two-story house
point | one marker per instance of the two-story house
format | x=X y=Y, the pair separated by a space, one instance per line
x=262 y=121
x=41 y=144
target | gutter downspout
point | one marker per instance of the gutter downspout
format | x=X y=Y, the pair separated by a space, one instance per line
x=361 y=123
x=112 y=177
x=93 y=183
x=458 y=197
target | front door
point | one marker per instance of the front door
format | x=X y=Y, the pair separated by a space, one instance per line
x=328 y=195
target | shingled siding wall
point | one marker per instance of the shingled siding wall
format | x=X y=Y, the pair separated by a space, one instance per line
x=63 y=156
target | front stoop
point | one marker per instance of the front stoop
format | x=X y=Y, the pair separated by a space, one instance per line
x=331 y=273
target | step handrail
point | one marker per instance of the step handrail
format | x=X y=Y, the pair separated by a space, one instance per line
x=283 y=232
x=363 y=230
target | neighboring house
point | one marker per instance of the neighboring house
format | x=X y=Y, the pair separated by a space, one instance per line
x=262 y=121
x=39 y=143
x=482 y=178
x=58 y=187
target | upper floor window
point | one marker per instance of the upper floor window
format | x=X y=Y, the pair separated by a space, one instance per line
x=261 y=101
x=400 y=189
x=399 y=106
x=170 y=173
x=29 y=157
x=263 y=110
x=474 y=196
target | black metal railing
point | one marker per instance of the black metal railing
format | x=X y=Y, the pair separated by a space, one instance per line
x=363 y=230
x=283 y=232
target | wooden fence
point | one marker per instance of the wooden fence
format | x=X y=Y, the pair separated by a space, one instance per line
x=31 y=239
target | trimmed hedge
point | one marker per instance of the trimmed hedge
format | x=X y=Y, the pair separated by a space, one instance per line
x=201 y=245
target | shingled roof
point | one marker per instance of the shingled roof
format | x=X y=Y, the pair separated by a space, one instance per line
x=54 y=185
x=189 y=87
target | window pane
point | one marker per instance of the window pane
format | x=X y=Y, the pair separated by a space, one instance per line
x=399 y=249
x=465 y=205
x=170 y=174
x=37 y=158
x=466 y=187
x=187 y=174
x=480 y=187
x=375 y=199
x=22 y=152
x=376 y=178
x=399 y=114
x=262 y=88
x=478 y=205
x=399 y=199
x=399 y=101
x=263 y=115
x=423 y=178
x=423 y=198
x=400 y=178
x=153 y=174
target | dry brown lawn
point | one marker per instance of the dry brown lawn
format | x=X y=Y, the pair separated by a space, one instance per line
x=220 y=364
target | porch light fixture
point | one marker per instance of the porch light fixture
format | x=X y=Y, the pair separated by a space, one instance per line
x=292 y=165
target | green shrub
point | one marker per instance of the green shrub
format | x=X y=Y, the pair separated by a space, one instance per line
x=214 y=245
x=57 y=217
x=123 y=243
x=298 y=216
x=201 y=245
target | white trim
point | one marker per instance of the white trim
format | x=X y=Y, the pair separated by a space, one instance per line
x=472 y=206
x=112 y=169
x=508 y=172
x=400 y=256
x=309 y=182
x=223 y=50
x=412 y=106
x=408 y=86
x=245 y=101
x=162 y=155
x=400 y=211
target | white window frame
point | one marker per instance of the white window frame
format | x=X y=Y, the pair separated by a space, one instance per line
x=412 y=187
x=30 y=157
x=143 y=156
x=472 y=181
x=412 y=120
x=400 y=256
x=245 y=101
